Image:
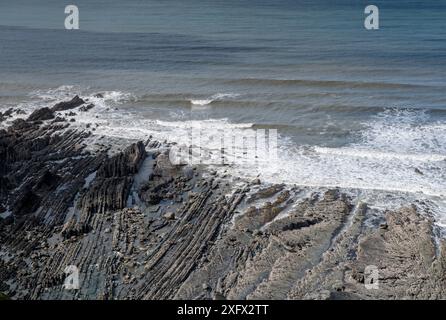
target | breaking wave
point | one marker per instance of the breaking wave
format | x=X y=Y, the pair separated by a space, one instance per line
x=215 y=97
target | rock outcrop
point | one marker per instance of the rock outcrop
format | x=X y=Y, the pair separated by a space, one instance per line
x=67 y=105
x=136 y=226
x=41 y=114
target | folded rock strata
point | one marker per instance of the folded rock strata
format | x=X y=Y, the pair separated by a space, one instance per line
x=138 y=227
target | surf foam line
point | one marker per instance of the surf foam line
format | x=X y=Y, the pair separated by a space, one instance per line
x=215 y=97
x=373 y=154
x=398 y=151
x=355 y=170
x=410 y=169
x=104 y=101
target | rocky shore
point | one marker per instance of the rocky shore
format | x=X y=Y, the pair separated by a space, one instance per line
x=138 y=227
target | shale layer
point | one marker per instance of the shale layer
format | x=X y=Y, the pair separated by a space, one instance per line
x=134 y=226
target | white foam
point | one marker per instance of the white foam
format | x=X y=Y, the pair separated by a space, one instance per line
x=215 y=97
x=378 y=155
x=413 y=165
x=59 y=93
x=404 y=131
x=211 y=124
x=357 y=169
x=399 y=158
x=397 y=151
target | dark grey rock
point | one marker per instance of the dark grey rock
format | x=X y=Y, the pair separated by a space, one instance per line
x=41 y=114
x=67 y=105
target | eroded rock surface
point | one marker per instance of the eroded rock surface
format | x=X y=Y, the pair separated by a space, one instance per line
x=138 y=227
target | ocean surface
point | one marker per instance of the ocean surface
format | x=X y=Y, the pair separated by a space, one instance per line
x=357 y=109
